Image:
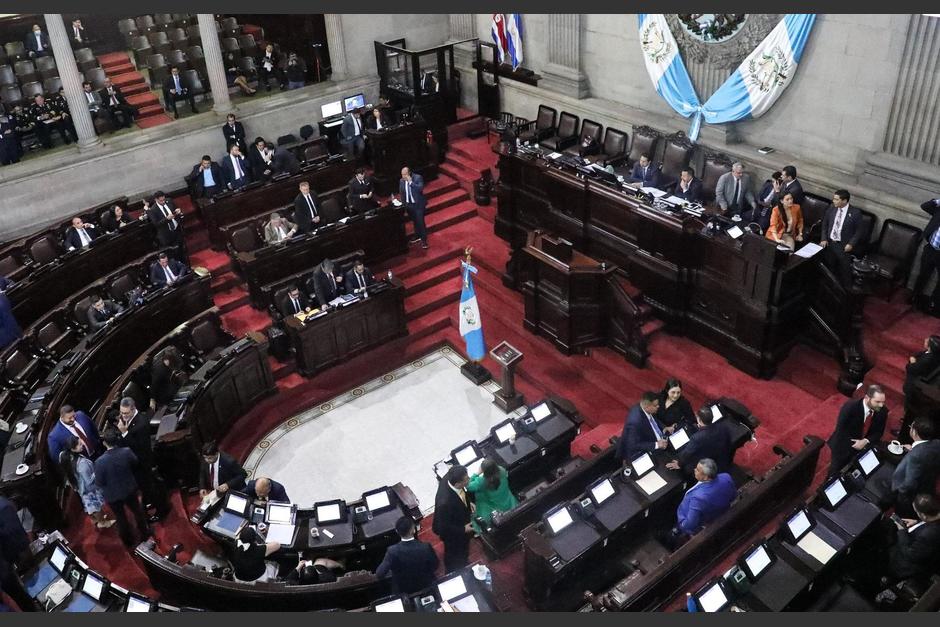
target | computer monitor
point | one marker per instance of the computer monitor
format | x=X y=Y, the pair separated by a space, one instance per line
x=329 y=512
x=541 y=411
x=137 y=603
x=712 y=597
x=331 y=109
x=601 y=491
x=466 y=454
x=395 y=605
x=377 y=501
x=798 y=524
x=452 y=588
x=869 y=462
x=679 y=438
x=354 y=102
x=559 y=520
x=279 y=514
x=835 y=493
x=716 y=412
x=642 y=465
x=757 y=560
x=475 y=467
x=94 y=585
x=504 y=432
x=60 y=558
x=237 y=503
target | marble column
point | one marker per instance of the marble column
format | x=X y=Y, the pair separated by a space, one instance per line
x=215 y=68
x=335 y=40
x=563 y=70
x=71 y=82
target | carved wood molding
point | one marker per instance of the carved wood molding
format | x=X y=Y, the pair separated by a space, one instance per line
x=728 y=53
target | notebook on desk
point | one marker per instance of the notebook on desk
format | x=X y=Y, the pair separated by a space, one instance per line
x=816 y=547
x=645 y=476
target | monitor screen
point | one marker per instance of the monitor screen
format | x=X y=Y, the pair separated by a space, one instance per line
x=559 y=520
x=836 y=493
x=280 y=513
x=465 y=455
x=354 y=102
x=328 y=513
x=93 y=586
x=869 y=462
x=541 y=412
x=602 y=491
x=505 y=432
x=237 y=504
x=798 y=524
x=451 y=588
x=642 y=464
x=377 y=501
x=713 y=599
x=475 y=467
x=137 y=604
x=716 y=413
x=757 y=560
x=679 y=438
x=59 y=558
x=395 y=605
x=331 y=108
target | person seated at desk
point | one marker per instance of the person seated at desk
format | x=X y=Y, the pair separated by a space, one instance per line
x=278 y=229
x=711 y=441
x=642 y=433
x=491 y=492
x=734 y=192
x=645 y=172
x=326 y=284
x=248 y=558
x=102 y=312
x=165 y=271
x=235 y=168
x=283 y=162
x=689 y=188
x=705 y=501
x=306 y=208
x=378 y=120
x=310 y=572
x=358 y=278
x=207 y=178
x=265 y=489
x=293 y=303
x=115 y=219
x=916 y=550
x=164 y=375
x=412 y=563
x=80 y=234
x=918 y=365
x=219 y=471
x=674 y=408
x=361 y=196
x=786 y=223
x=73 y=424
x=917 y=472
x=259 y=160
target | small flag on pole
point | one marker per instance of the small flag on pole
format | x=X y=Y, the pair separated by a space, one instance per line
x=471 y=325
x=498 y=30
x=514 y=38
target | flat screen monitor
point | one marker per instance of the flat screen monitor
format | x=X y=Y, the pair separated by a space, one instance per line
x=798 y=524
x=237 y=504
x=59 y=559
x=560 y=520
x=137 y=603
x=450 y=589
x=757 y=561
x=395 y=605
x=713 y=598
x=327 y=513
x=602 y=491
x=679 y=438
x=642 y=465
x=331 y=109
x=378 y=501
x=835 y=492
x=475 y=467
x=869 y=462
x=541 y=411
x=505 y=432
x=466 y=455
x=354 y=102
x=93 y=586
x=280 y=513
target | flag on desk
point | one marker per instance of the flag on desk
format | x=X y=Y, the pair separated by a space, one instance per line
x=471 y=326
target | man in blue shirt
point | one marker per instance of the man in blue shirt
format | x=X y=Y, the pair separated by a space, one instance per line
x=175 y=89
x=206 y=178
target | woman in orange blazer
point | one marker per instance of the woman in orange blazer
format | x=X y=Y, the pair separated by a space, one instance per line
x=786 y=223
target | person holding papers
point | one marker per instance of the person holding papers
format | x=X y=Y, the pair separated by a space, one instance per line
x=642 y=433
x=645 y=172
x=786 y=223
x=166 y=271
x=711 y=441
x=219 y=471
x=326 y=284
x=248 y=561
x=491 y=492
x=705 y=501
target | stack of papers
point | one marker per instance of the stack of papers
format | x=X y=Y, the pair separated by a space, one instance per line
x=817 y=547
x=210 y=499
x=466 y=604
x=657 y=193
x=651 y=482
x=808 y=250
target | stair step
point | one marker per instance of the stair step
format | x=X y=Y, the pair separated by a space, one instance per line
x=130 y=78
x=444 y=218
x=136 y=88
x=651 y=327
x=143 y=99
x=447 y=199
x=466 y=162
x=405 y=268
x=433 y=276
x=428 y=300
x=120 y=68
x=440 y=185
x=460 y=173
x=285 y=370
x=150 y=110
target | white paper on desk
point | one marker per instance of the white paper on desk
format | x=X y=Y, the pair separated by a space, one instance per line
x=343 y=220
x=466 y=604
x=554 y=155
x=655 y=191
x=280 y=533
x=716 y=413
x=651 y=482
x=339 y=300
x=808 y=250
x=675 y=200
x=735 y=232
x=210 y=499
x=817 y=547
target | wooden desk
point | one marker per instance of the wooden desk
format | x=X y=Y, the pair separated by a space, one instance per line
x=340 y=334
x=396 y=147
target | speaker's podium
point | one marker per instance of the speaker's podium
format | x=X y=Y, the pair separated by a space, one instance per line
x=398 y=146
x=566 y=293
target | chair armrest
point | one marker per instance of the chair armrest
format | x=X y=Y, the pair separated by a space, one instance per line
x=565 y=142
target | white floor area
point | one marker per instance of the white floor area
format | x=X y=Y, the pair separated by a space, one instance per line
x=394 y=428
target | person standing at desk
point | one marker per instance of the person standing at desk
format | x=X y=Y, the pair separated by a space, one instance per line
x=929 y=261
x=674 y=408
x=79 y=472
x=359 y=277
x=265 y=489
x=734 y=192
x=219 y=471
x=491 y=492
x=712 y=440
x=411 y=191
x=166 y=216
x=860 y=423
x=641 y=431
x=73 y=424
x=248 y=558
x=361 y=192
x=134 y=432
x=841 y=233
x=705 y=501
x=326 y=284
x=14 y=546
x=412 y=563
x=350 y=134
x=917 y=472
x=918 y=365
x=306 y=208
x=452 y=517
x=115 y=473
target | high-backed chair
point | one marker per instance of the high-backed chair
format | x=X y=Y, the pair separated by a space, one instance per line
x=317 y=152
x=714 y=166
x=47 y=68
x=645 y=141
x=31 y=90
x=16 y=51
x=145 y=23
x=248 y=67
x=230 y=27
x=25 y=71
x=128 y=28
x=21 y=367
x=813 y=210
x=589 y=129
x=159 y=41
x=136 y=392
x=184 y=19
x=85 y=59
x=177 y=58
x=230 y=44
x=331 y=210
x=96 y=76
x=197 y=59
x=52 y=85
x=895 y=250
x=56 y=338
x=80 y=310
x=565 y=135
x=248 y=45
x=245 y=239
x=541 y=127
x=178 y=39
x=10 y=96
x=867 y=226
x=193 y=33
x=164 y=21
x=613 y=150
x=7 y=76
x=676 y=155
x=141 y=47
x=44 y=250
x=122 y=284
x=205 y=338
x=192 y=80
x=12 y=265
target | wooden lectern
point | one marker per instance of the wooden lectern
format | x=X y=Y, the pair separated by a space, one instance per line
x=396 y=147
x=508 y=356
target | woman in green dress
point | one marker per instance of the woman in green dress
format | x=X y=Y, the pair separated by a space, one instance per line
x=491 y=492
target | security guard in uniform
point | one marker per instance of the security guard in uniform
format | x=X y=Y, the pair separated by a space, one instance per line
x=63 y=106
x=46 y=116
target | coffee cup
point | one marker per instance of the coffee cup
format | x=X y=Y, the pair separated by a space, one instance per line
x=895 y=447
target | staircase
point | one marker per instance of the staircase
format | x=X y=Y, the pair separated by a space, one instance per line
x=120 y=69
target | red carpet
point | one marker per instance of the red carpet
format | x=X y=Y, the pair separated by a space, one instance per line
x=801 y=400
x=120 y=69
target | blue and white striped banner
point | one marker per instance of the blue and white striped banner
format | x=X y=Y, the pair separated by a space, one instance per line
x=471 y=325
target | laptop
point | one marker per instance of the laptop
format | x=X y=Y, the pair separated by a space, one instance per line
x=877 y=474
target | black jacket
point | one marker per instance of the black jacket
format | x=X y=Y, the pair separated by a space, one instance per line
x=917 y=471
x=97 y=319
x=916 y=553
x=230 y=473
x=851 y=226
x=158 y=276
x=351 y=282
x=924 y=363
x=849 y=427
x=695 y=191
x=354 y=202
x=137 y=439
x=106 y=97
x=115 y=473
x=302 y=215
x=325 y=289
x=450 y=515
x=277 y=493
x=412 y=565
x=713 y=442
x=14 y=542
x=198 y=182
x=164 y=224
x=73 y=240
x=234 y=135
x=286 y=306
x=228 y=170
x=162 y=386
x=257 y=164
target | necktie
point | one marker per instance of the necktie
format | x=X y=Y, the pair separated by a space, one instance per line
x=78 y=35
x=463 y=496
x=83 y=235
x=213 y=480
x=362 y=282
x=80 y=433
x=737 y=191
x=935 y=239
x=836 y=234
x=238 y=168
x=176 y=79
x=280 y=233
x=655 y=427
x=867 y=424
x=313 y=210
x=296 y=305
x=113 y=97
x=408 y=198
x=170 y=277
x=645 y=170
x=332 y=281
x=88 y=95
x=356 y=123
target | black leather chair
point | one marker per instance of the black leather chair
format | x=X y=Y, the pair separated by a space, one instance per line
x=21 y=367
x=10 y=96
x=244 y=239
x=541 y=127
x=159 y=42
x=25 y=71
x=230 y=44
x=194 y=35
x=895 y=250
x=121 y=285
x=613 y=150
x=31 y=90
x=645 y=141
x=814 y=211
x=96 y=76
x=47 y=68
x=15 y=51
x=178 y=39
x=868 y=227
x=230 y=27
x=79 y=310
x=713 y=167
x=128 y=28
x=177 y=58
x=44 y=250
x=590 y=130
x=52 y=85
x=164 y=21
x=332 y=210
x=565 y=135
x=145 y=24
x=248 y=45
x=141 y=47
x=192 y=80
x=676 y=155
x=84 y=59
x=306 y=131
x=316 y=152
x=7 y=76
x=206 y=338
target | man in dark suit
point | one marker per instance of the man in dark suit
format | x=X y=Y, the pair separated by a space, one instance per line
x=101 y=312
x=452 y=517
x=706 y=500
x=36 y=43
x=645 y=172
x=358 y=278
x=917 y=550
x=411 y=192
x=219 y=471
x=412 y=563
x=790 y=185
x=712 y=440
x=361 y=197
x=929 y=260
x=115 y=473
x=294 y=302
x=77 y=35
x=259 y=160
x=14 y=548
x=134 y=432
x=350 y=135
x=207 y=178
x=94 y=102
x=841 y=233
x=642 y=433
x=166 y=217
x=235 y=168
x=689 y=188
x=283 y=162
x=265 y=489
x=174 y=89
x=115 y=102
x=326 y=284
x=165 y=271
x=918 y=470
x=77 y=424
x=306 y=209
x=80 y=234
x=860 y=423
x=164 y=381
x=9 y=142
x=234 y=133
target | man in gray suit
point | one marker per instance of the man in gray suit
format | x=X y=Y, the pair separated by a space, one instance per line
x=918 y=471
x=734 y=192
x=95 y=105
x=351 y=134
x=278 y=229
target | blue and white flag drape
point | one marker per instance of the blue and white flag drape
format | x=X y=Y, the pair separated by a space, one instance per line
x=749 y=92
x=471 y=325
x=514 y=38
